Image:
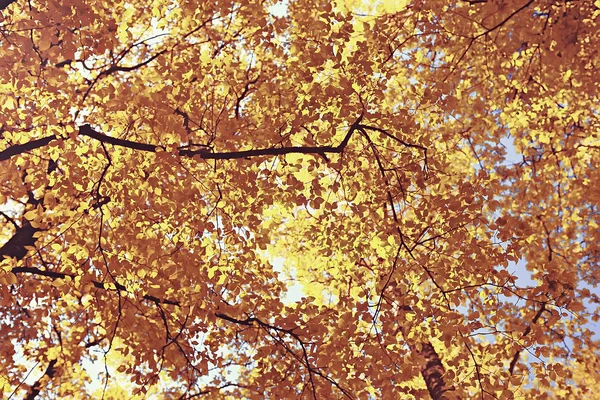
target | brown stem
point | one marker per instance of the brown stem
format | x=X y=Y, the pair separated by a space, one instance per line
x=36 y=387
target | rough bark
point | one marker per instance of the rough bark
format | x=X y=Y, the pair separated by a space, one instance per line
x=433 y=373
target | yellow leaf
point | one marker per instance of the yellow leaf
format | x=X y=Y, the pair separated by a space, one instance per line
x=58 y=283
x=393 y=6
x=10 y=278
x=211 y=272
x=31 y=215
x=304 y=175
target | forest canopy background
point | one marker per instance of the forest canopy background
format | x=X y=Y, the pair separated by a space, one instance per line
x=158 y=157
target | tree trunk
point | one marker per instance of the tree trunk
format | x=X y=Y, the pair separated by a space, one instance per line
x=433 y=373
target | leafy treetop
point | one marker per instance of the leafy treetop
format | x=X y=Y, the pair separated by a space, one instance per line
x=425 y=171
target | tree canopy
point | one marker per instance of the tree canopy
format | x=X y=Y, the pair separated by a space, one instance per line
x=303 y=199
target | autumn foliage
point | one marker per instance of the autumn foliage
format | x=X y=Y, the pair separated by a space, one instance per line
x=298 y=200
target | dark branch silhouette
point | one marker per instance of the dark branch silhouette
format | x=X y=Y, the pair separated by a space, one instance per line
x=99 y=285
x=25 y=147
x=5 y=3
x=87 y=130
x=37 y=386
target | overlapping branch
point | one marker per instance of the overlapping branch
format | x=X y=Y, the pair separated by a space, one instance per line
x=433 y=370
x=35 y=389
x=97 y=284
x=253 y=321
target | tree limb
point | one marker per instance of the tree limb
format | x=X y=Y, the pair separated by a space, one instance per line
x=5 y=3
x=22 y=148
x=206 y=154
x=37 y=386
x=99 y=285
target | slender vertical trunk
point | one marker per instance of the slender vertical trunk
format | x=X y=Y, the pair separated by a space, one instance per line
x=433 y=370
x=433 y=373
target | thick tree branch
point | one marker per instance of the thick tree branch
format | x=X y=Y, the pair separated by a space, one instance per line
x=17 y=245
x=22 y=148
x=5 y=3
x=87 y=130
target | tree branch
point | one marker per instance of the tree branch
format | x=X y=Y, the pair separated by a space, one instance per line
x=17 y=245
x=99 y=285
x=251 y=321
x=22 y=148
x=513 y=362
x=433 y=373
x=36 y=387
x=206 y=154
x=5 y=3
